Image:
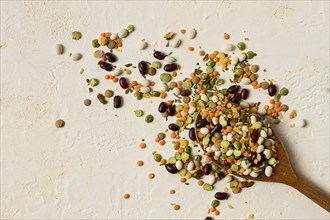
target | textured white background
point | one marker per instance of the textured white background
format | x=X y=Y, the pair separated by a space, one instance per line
x=82 y=170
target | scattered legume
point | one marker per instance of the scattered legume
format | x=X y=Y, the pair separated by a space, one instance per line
x=59 y=123
x=76 y=35
x=149 y=118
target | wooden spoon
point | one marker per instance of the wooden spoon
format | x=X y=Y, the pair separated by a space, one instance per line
x=284 y=173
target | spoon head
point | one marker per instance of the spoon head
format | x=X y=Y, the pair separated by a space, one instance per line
x=282 y=173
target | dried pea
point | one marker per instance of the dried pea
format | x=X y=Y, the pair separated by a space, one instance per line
x=157 y=157
x=76 y=35
x=284 y=91
x=215 y=203
x=108 y=93
x=95 y=43
x=149 y=118
x=130 y=28
x=165 y=77
x=250 y=54
x=207 y=187
x=93 y=82
x=241 y=46
x=138 y=113
x=161 y=136
x=156 y=65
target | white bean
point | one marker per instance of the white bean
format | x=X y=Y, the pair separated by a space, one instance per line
x=215 y=120
x=114 y=36
x=262 y=111
x=224 y=137
x=59 y=49
x=228 y=179
x=234 y=61
x=260 y=149
x=192 y=33
x=145 y=89
x=269 y=171
x=254 y=174
x=76 y=56
x=217 y=153
x=270 y=132
x=179 y=164
x=191 y=166
x=230 y=137
x=229 y=47
x=211 y=179
x=247 y=171
x=176 y=91
x=214 y=148
x=246 y=81
x=245 y=128
x=204 y=98
x=176 y=43
x=169 y=59
x=142 y=45
x=117 y=72
x=267 y=154
x=253 y=119
x=301 y=123
x=244 y=165
x=244 y=104
x=209 y=150
x=191 y=110
x=123 y=33
x=229 y=152
x=163 y=87
x=242 y=57
x=263 y=134
x=215 y=99
x=204 y=130
x=145 y=82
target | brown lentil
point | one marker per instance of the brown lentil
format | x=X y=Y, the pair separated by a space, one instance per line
x=108 y=93
x=87 y=102
x=254 y=68
x=284 y=108
x=126 y=196
x=151 y=175
x=264 y=85
x=176 y=207
x=253 y=77
x=172 y=191
x=161 y=136
x=98 y=53
x=151 y=71
x=59 y=123
x=111 y=44
x=173 y=85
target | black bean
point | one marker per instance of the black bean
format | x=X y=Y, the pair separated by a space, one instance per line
x=171 y=168
x=105 y=66
x=159 y=55
x=254 y=136
x=207 y=169
x=173 y=127
x=110 y=57
x=215 y=129
x=221 y=195
x=116 y=101
x=185 y=92
x=208 y=218
x=170 y=67
x=162 y=107
x=171 y=110
x=143 y=67
x=244 y=93
x=272 y=90
x=123 y=83
x=233 y=89
x=192 y=134
x=201 y=123
x=235 y=98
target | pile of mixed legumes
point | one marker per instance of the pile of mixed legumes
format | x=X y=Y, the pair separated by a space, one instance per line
x=234 y=136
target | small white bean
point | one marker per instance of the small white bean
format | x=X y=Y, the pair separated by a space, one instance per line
x=230 y=137
x=234 y=61
x=59 y=49
x=214 y=148
x=263 y=134
x=145 y=89
x=246 y=81
x=244 y=165
x=270 y=132
x=215 y=99
x=114 y=36
x=176 y=43
x=209 y=150
x=269 y=171
x=215 y=120
x=244 y=104
x=229 y=152
x=217 y=153
x=204 y=130
x=253 y=119
x=191 y=110
x=76 y=56
x=242 y=57
x=224 y=137
x=176 y=91
x=192 y=33
x=191 y=166
x=163 y=87
x=262 y=111
x=228 y=179
x=117 y=72
x=145 y=82
x=229 y=47
x=245 y=128
x=123 y=33
x=254 y=174
x=211 y=179
x=260 y=149
x=169 y=59
x=142 y=45
x=247 y=171
x=204 y=98
x=301 y=123
x=267 y=154
x=271 y=140
x=179 y=164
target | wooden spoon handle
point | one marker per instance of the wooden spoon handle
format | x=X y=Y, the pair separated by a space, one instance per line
x=312 y=192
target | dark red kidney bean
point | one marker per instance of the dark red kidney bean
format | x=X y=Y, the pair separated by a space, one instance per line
x=235 y=98
x=170 y=67
x=185 y=92
x=173 y=127
x=208 y=218
x=192 y=134
x=143 y=67
x=105 y=66
x=207 y=169
x=159 y=55
x=221 y=195
x=162 y=107
x=254 y=136
x=123 y=83
x=171 y=168
x=110 y=57
x=116 y=101
x=171 y=110
x=201 y=123
x=272 y=89
x=244 y=94
x=233 y=89
x=215 y=129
